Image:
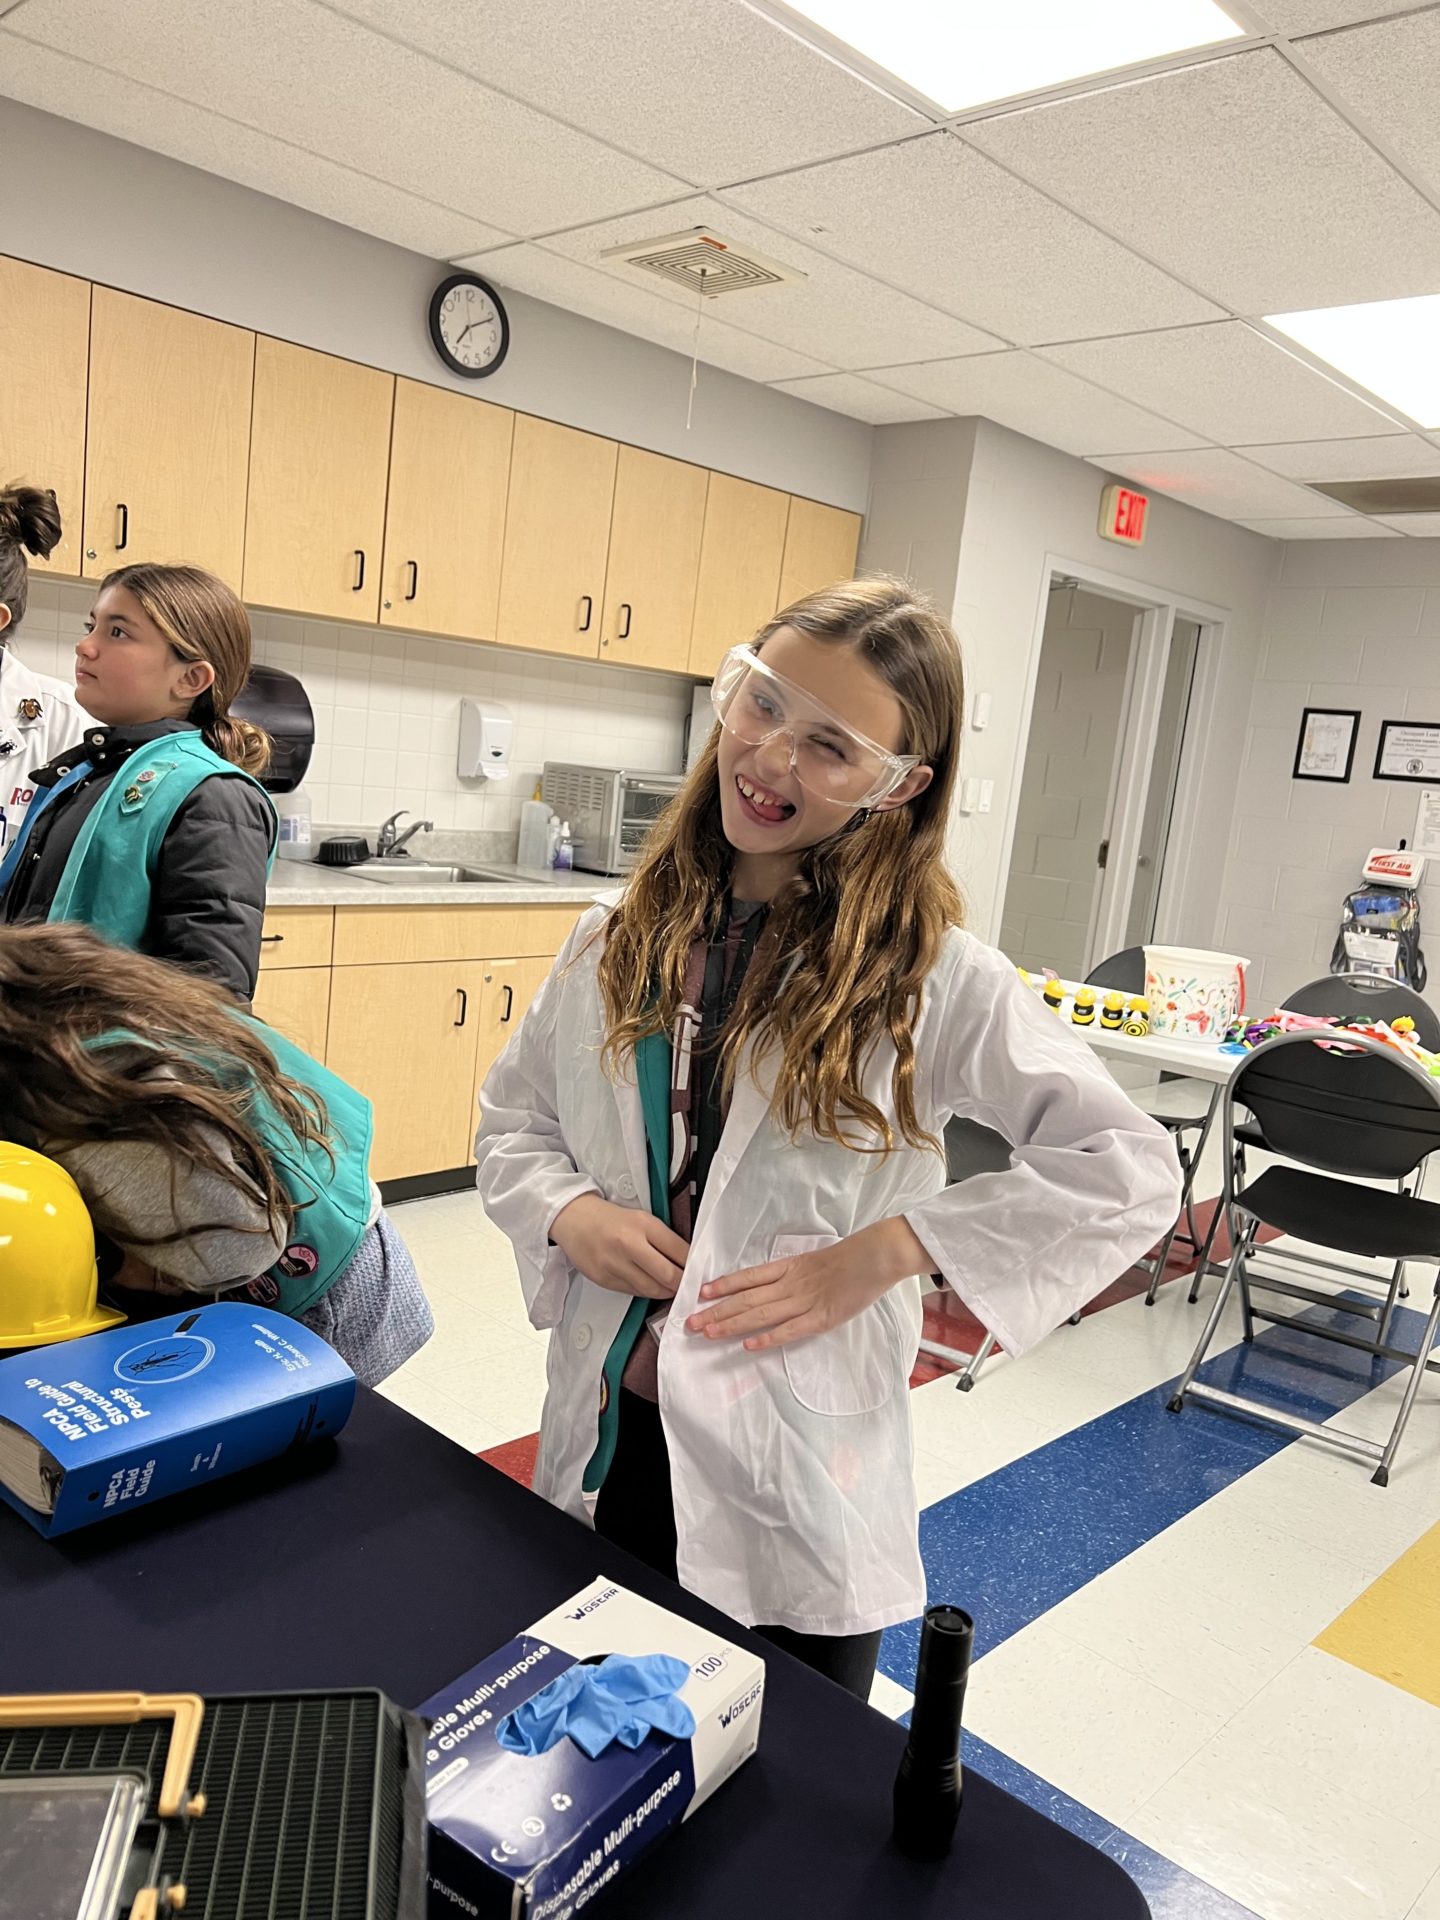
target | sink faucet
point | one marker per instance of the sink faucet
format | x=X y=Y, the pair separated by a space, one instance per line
x=390 y=845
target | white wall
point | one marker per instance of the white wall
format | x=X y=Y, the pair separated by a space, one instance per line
x=1351 y=624
x=1065 y=786
x=1025 y=502
x=387 y=712
x=112 y=212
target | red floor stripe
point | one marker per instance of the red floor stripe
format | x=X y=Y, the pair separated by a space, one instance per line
x=946 y=1319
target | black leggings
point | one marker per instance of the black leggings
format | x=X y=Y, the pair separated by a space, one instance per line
x=637 y=1511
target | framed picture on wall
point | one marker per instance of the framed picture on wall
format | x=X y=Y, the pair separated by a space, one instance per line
x=1408 y=750
x=1326 y=747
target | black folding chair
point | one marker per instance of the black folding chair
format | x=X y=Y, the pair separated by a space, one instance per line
x=1344 y=996
x=1349 y=1106
x=1183 y=1107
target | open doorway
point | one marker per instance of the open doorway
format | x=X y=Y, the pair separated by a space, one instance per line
x=1095 y=821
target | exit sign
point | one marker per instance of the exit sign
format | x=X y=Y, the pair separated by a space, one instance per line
x=1122 y=515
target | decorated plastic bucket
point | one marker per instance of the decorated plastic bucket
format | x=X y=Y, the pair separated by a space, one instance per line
x=1193 y=995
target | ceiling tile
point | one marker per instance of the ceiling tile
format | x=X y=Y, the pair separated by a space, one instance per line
x=1390 y=73
x=862 y=399
x=938 y=219
x=1227 y=382
x=1314 y=16
x=1220 y=482
x=1393 y=457
x=332 y=87
x=565 y=283
x=1419 y=526
x=61 y=85
x=1018 y=391
x=1243 y=179
x=712 y=93
x=846 y=317
x=1355 y=528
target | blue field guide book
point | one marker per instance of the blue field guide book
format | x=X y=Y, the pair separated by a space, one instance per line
x=95 y=1427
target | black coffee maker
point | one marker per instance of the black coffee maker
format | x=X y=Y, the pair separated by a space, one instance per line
x=276 y=701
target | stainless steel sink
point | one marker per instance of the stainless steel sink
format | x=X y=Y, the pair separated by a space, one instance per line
x=422 y=873
x=416 y=873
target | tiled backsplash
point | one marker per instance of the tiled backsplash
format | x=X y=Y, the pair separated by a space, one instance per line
x=387 y=711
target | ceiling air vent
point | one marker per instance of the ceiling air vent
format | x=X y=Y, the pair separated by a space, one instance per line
x=1420 y=495
x=702 y=262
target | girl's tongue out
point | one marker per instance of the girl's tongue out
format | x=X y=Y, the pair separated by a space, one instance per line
x=763 y=804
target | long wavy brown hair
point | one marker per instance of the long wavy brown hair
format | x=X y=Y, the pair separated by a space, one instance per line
x=850 y=940
x=62 y=989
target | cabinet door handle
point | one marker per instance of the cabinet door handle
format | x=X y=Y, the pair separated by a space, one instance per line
x=414 y=566
x=589 y=605
x=509 y=1006
x=624 y=633
x=359 y=569
x=464 y=1007
x=271 y=939
x=122 y=534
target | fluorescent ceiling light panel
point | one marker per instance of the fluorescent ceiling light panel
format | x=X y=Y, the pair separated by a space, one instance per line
x=962 y=53
x=1389 y=347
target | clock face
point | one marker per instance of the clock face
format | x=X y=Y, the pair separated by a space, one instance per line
x=469 y=326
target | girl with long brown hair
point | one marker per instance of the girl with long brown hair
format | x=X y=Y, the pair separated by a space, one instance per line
x=715 y=1143
x=215 y=1157
x=154 y=828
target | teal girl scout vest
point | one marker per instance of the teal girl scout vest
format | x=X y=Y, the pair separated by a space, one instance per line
x=121 y=839
x=331 y=1201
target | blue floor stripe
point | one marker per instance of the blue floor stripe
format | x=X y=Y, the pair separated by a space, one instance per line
x=1010 y=1547
x=1173 y=1894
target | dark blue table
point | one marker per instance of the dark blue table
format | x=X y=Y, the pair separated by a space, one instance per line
x=394 y=1559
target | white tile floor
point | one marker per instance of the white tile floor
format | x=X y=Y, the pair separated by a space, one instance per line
x=1177 y=1694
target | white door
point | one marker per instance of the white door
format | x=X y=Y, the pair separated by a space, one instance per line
x=1053 y=898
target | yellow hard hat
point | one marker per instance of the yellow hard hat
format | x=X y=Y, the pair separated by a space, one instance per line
x=48 y=1278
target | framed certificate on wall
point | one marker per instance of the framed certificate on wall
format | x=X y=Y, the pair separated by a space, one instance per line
x=1408 y=750
x=1326 y=747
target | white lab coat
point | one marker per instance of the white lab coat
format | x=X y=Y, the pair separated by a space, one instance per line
x=792 y=1467
x=39 y=717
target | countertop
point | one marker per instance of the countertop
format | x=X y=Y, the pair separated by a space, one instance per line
x=303 y=883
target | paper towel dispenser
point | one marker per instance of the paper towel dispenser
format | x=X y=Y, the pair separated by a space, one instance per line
x=276 y=701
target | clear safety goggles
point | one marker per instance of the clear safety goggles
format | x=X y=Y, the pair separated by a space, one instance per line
x=828 y=757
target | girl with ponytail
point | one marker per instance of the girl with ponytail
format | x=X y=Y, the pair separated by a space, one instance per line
x=715 y=1142
x=154 y=829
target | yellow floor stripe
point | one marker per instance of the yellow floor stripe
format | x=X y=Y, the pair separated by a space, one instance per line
x=1393 y=1629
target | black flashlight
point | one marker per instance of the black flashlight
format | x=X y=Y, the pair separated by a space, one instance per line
x=929 y=1785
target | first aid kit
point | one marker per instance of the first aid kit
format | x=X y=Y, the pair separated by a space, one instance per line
x=555 y=1763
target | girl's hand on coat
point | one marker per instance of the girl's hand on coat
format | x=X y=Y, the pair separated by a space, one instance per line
x=810 y=1293
x=620 y=1247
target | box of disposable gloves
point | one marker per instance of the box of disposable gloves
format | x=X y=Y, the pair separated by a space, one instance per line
x=559 y=1760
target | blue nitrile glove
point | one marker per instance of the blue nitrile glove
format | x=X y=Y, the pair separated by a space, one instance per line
x=620 y=1699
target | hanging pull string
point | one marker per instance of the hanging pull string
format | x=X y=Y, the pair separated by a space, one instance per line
x=695 y=351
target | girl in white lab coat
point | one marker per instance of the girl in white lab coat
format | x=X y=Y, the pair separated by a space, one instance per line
x=715 y=1143
x=38 y=716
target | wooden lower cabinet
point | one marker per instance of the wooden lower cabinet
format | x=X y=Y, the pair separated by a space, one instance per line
x=406 y=1036
x=296 y=1002
x=510 y=986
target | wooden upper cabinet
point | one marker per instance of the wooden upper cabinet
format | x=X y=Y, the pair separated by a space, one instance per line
x=169 y=437
x=820 y=548
x=445 y=521
x=319 y=457
x=557 y=537
x=655 y=533
x=740 y=556
x=44 y=359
